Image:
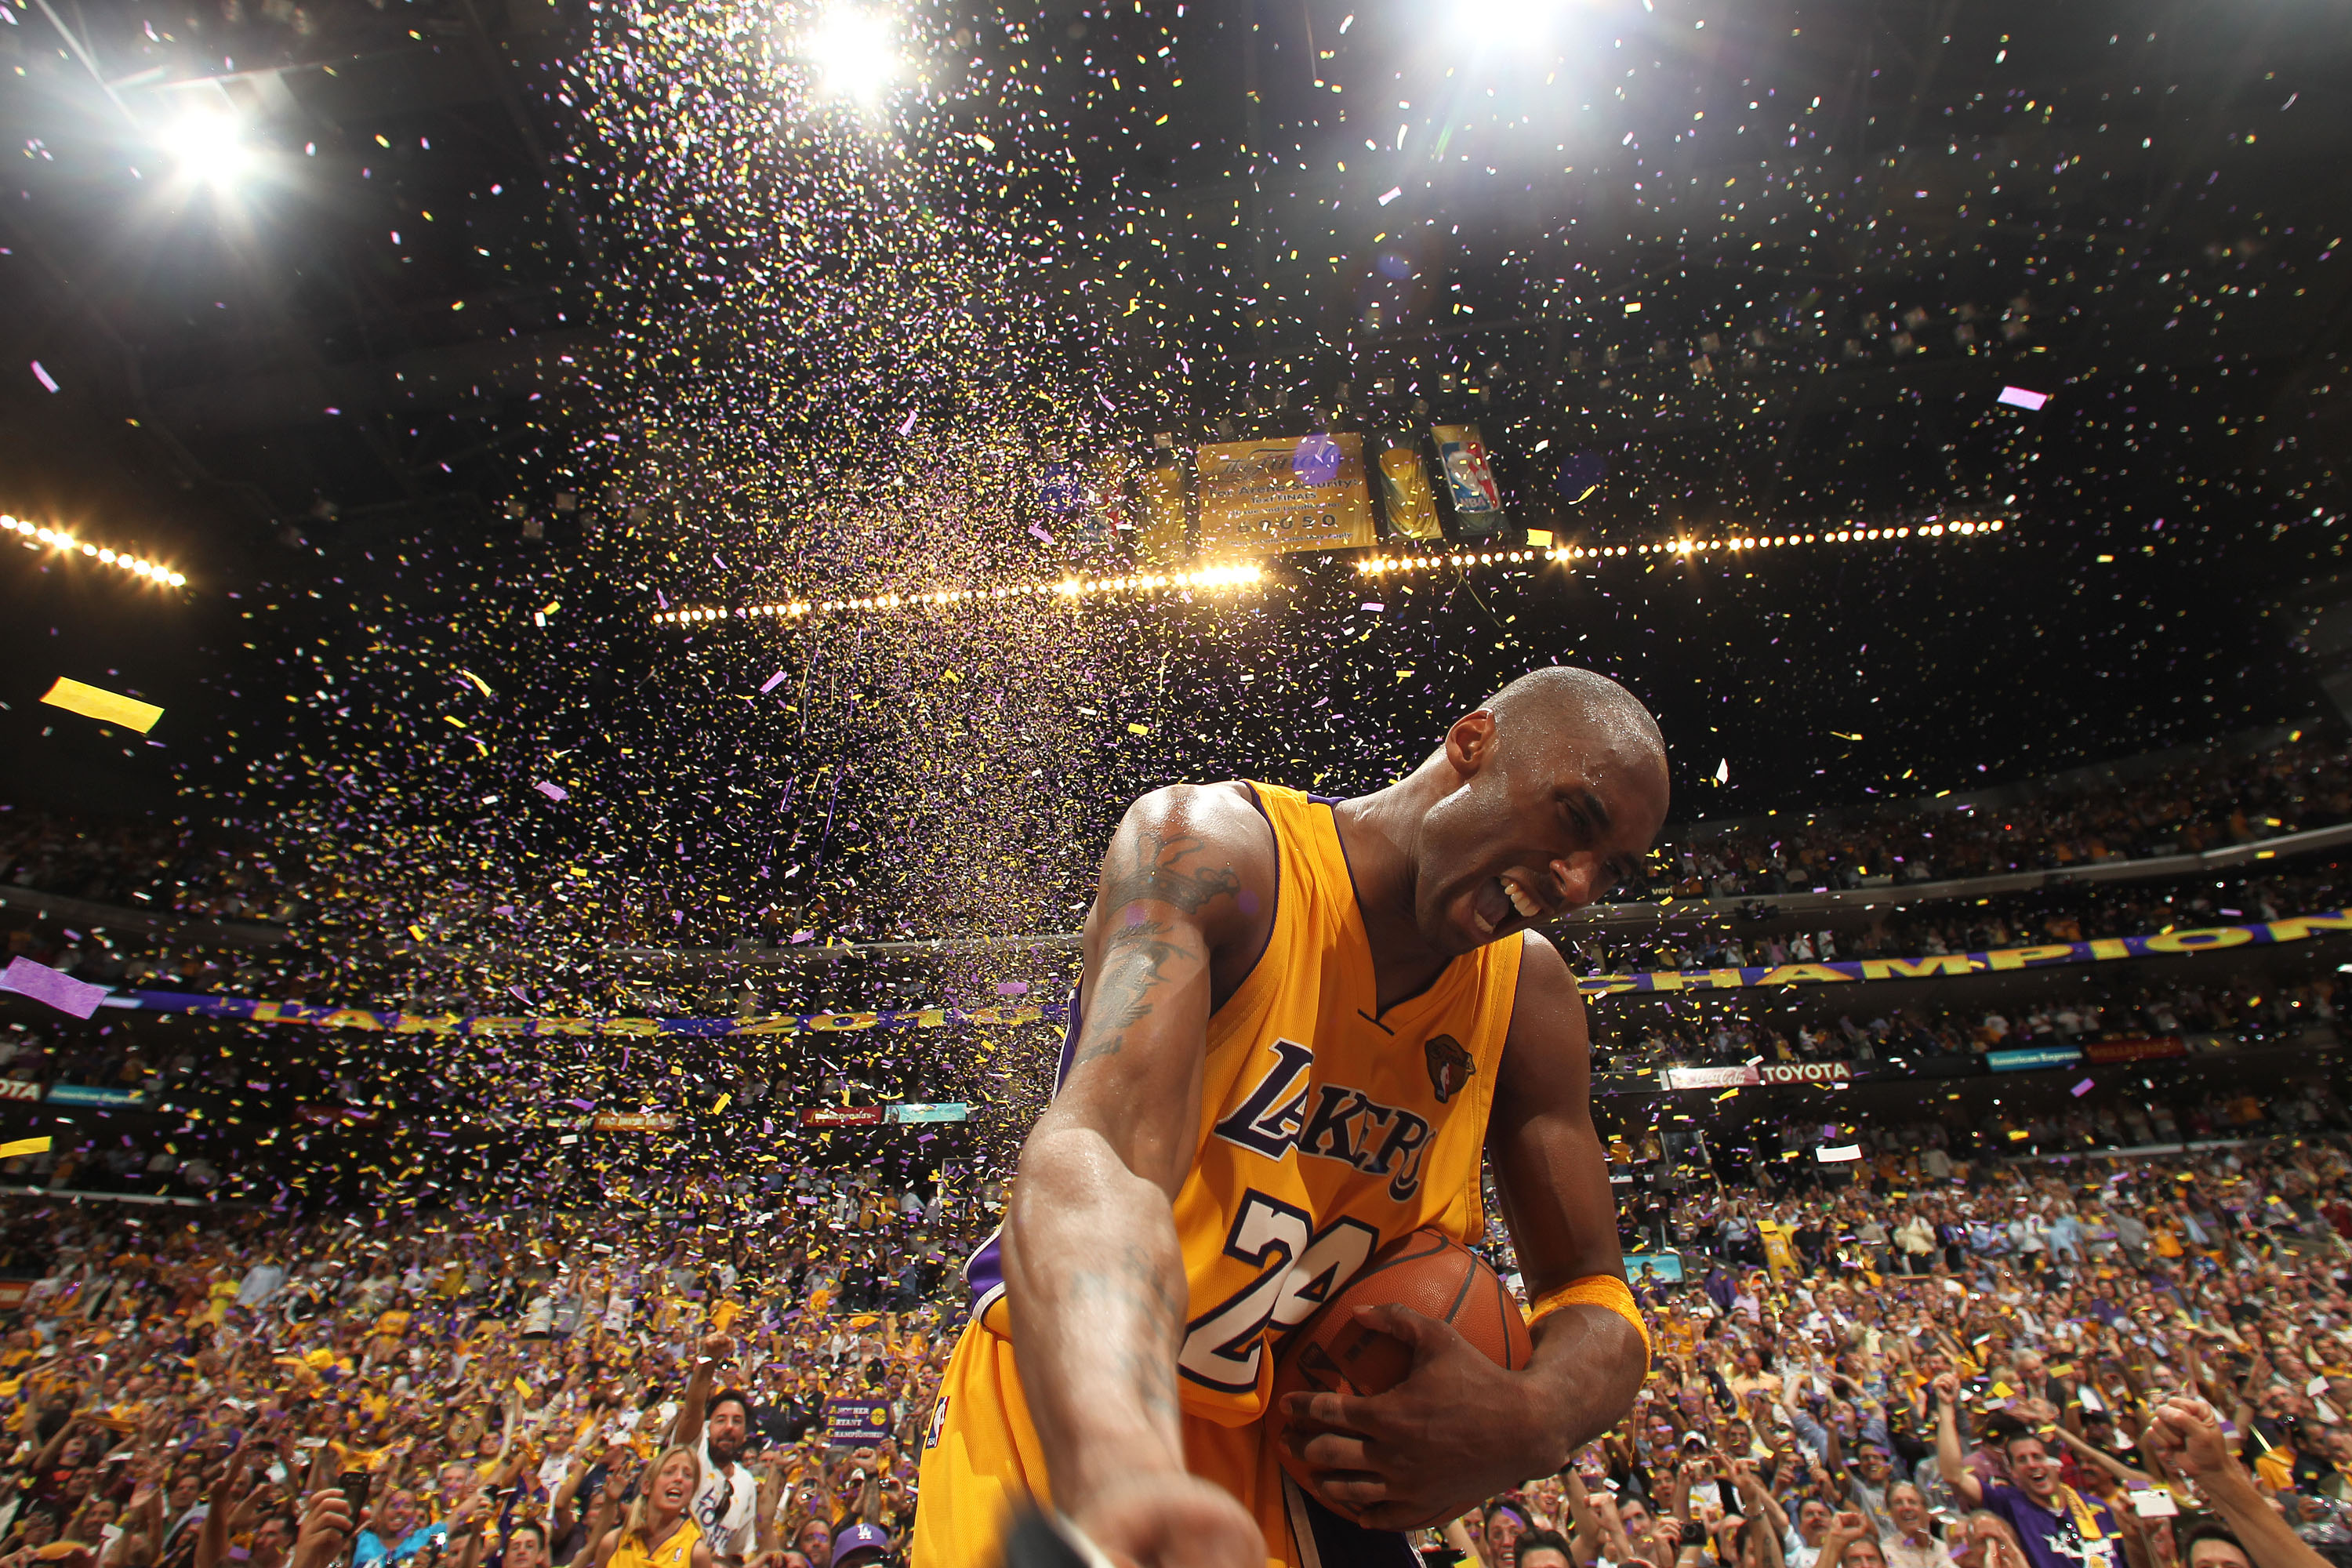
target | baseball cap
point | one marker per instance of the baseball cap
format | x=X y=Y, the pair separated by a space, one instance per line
x=859 y=1538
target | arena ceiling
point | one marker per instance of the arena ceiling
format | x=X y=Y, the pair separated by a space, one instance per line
x=1766 y=266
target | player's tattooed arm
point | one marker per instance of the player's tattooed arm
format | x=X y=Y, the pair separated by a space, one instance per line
x=1136 y=956
x=1163 y=882
x=1131 y=1288
x=1170 y=866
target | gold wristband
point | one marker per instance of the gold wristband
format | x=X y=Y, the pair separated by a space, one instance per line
x=1595 y=1290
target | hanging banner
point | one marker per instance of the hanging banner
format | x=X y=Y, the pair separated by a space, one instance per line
x=248 y=1010
x=1285 y=493
x=632 y=1121
x=1469 y=478
x=911 y=1111
x=1943 y=966
x=2046 y=955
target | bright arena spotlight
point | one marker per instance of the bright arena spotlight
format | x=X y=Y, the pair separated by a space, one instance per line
x=208 y=146
x=854 y=50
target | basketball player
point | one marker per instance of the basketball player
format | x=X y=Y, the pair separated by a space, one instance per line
x=1300 y=1024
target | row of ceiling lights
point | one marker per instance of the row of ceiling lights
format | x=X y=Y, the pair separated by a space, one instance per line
x=1241 y=576
x=57 y=539
x=1064 y=587
x=1378 y=563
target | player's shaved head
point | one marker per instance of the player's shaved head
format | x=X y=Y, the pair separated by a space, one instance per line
x=1580 y=707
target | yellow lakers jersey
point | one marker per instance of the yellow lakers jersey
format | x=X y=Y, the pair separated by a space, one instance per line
x=1327 y=1128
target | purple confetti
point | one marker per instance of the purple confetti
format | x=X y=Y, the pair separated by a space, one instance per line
x=908 y=427
x=2019 y=397
x=1039 y=529
x=581 y=1104
x=2082 y=1089
x=43 y=378
x=553 y=791
x=774 y=681
x=42 y=984
x=1012 y=988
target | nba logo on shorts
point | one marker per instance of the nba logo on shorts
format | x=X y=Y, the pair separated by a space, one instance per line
x=938 y=1422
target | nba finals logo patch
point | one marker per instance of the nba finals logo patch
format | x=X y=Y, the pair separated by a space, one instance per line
x=1450 y=1067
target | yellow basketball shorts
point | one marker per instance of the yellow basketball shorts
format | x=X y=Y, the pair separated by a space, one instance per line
x=980 y=1458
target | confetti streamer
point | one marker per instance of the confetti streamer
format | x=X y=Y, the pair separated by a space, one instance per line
x=106 y=706
x=42 y=984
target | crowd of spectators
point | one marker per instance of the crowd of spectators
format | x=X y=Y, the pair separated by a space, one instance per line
x=2219 y=800
x=510 y=1391
x=1844 y=1379
x=1678 y=1182
x=1999 y=1367
x=138 y=863
x=531 y=1388
x=2222 y=1011
x=196 y=870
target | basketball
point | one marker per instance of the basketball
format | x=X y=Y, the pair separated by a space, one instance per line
x=1438 y=1278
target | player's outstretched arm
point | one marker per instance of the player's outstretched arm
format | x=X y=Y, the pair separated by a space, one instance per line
x=1459 y=1427
x=1094 y=1275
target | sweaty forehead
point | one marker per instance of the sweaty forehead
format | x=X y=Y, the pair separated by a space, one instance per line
x=1617 y=777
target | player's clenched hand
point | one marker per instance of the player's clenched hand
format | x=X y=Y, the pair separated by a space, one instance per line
x=1459 y=1428
x=1167 y=1519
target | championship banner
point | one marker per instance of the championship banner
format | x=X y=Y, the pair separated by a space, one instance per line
x=249 y=1010
x=2164 y=944
x=1284 y=493
x=1935 y=966
x=629 y=1122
